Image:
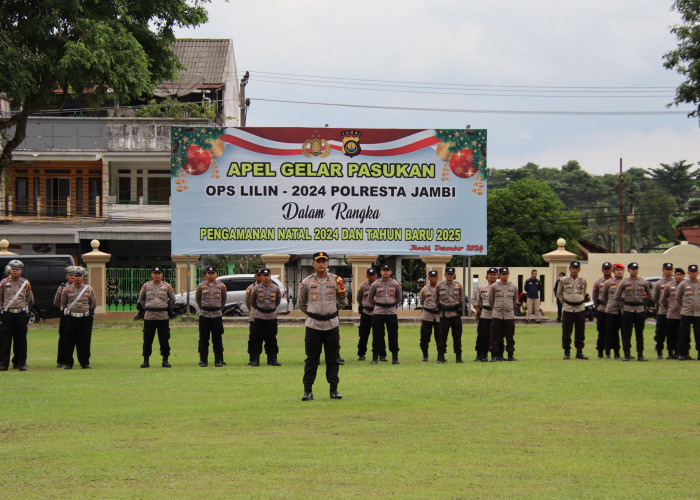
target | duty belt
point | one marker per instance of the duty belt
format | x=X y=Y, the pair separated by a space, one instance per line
x=79 y=315
x=574 y=303
x=212 y=309
x=368 y=308
x=16 y=311
x=455 y=307
x=156 y=309
x=487 y=308
x=321 y=317
x=432 y=311
x=265 y=310
x=382 y=304
x=634 y=303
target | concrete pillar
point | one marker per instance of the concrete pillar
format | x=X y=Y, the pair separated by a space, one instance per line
x=436 y=263
x=185 y=278
x=276 y=262
x=4 y=245
x=97 y=276
x=360 y=264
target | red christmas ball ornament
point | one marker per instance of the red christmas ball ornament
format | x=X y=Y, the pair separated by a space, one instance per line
x=198 y=160
x=462 y=164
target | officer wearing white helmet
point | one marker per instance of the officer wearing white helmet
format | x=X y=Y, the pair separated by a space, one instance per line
x=64 y=356
x=16 y=298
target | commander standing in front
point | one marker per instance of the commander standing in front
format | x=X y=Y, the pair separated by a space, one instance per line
x=321 y=296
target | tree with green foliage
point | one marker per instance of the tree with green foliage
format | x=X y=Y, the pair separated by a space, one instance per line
x=675 y=178
x=525 y=220
x=686 y=58
x=118 y=49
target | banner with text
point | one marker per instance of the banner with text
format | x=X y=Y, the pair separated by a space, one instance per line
x=302 y=190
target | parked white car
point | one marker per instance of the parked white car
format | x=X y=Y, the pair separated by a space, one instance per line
x=236 y=285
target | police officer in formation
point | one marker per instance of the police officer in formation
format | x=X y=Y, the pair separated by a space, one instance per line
x=430 y=315
x=211 y=299
x=366 y=310
x=78 y=302
x=599 y=306
x=63 y=344
x=156 y=299
x=673 y=312
x=321 y=296
x=688 y=297
x=384 y=295
x=16 y=299
x=503 y=297
x=661 y=333
x=631 y=294
x=613 y=311
x=264 y=300
x=251 y=316
x=572 y=293
x=484 y=313
x=449 y=299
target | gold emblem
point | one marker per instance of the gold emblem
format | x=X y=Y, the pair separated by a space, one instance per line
x=316 y=146
x=351 y=142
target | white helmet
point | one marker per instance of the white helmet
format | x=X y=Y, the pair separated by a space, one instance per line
x=15 y=264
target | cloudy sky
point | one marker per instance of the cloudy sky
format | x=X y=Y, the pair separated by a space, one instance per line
x=519 y=69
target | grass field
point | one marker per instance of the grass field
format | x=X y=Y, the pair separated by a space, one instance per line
x=540 y=427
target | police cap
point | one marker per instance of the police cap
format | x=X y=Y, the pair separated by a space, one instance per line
x=575 y=264
x=157 y=269
x=265 y=272
x=386 y=267
x=78 y=271
x=320 y=256
x=606 y=265
x=432 y=273
x=492 y=270
x=15 y=264
x=210 y=269
x=371 y=270
x=503 y=270
x=680 y=270
x=668 y=265
x=632 y=265
x=692 y=268
x=449 y=270
x=617 y=265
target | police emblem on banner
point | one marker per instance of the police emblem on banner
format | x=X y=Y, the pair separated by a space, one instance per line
x=316 y=146
x=351 y=143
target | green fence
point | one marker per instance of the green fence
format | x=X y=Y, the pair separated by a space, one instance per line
x=124 y=285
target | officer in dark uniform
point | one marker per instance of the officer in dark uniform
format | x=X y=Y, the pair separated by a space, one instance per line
x=632 y=293
x=503 y=297
x=157 y=299
x=599 y=306
x=321 y=296
x=365 y=309
x=673 y=312
x=483 y=315
x=251 y=317
x=16 y=298
x=62 y=357
x=78 y=302
x=572 y=293
x=430 y=321
x=211 y=299
x=449 y=299
x=688 y=296
x=656 y=293
x=385 y=295
x=265 y=298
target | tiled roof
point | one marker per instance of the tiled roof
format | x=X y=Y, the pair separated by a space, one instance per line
x=205 y=57
x=691 y=234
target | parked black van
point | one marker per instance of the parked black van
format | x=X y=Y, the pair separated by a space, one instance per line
x=45 y=273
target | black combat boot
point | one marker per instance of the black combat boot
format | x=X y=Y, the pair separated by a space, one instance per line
x=441 y=357
x=479 y=356
x=660 y=354
x=510 y=357
x=145 y=362
x=627 y=356
x=607 y=354
x=395 y=359
x=640 y=356
x=425 y=355
x=458 y=358
x=600 y=353
x=308 y=395
x=617 y=353
x=165 y=362
x=272 y=360
x=255 y=361
x=375 y=360
x=567 y=354
x=334 y=393
x=672 y=354
x=495 y=357
x=579 y=354
x=203 y=360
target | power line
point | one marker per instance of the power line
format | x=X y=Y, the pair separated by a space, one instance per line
x=480 y=111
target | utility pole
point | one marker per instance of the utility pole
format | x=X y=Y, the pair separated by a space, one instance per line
x=621 y=208
x=243 y=102
x=630 y=216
